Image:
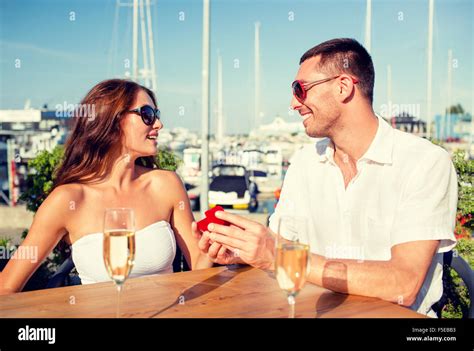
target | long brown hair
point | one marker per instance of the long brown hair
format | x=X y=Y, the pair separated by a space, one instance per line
x=96 y=135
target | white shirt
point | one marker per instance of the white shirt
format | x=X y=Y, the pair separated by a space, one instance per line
x=405 y=190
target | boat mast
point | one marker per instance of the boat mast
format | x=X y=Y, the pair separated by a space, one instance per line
x=150 y=44
x=135 y=41
x=430 y=68
x=145 y=72
x=389 y=95
x=257 y=75
x=449 y=95
x=368 y=25
x=204 y=196
x=220 y=113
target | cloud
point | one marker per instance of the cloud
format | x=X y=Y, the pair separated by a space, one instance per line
x=51 y=53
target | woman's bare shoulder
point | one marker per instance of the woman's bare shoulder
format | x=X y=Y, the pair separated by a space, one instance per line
x=65 y=196
x=160 y=174
x=54 y=213
x=73 y=190
x=161 y=180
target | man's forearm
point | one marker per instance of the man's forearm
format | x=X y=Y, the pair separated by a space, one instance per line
x=379 y=279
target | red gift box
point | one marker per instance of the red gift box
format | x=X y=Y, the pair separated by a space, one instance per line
x=211 y=218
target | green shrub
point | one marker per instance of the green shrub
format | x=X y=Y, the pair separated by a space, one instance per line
x=5 y=242
x=167 y=160
x=40 y=180
x=458 y=299
x=465 y=211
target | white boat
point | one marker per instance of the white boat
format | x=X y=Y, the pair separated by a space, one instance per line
x=231 y=188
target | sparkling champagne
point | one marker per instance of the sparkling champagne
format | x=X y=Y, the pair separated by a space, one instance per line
x=291 y=266
x=119 y=253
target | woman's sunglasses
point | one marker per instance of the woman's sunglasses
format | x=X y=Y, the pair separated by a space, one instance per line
x=299 y=88
x=148 y=114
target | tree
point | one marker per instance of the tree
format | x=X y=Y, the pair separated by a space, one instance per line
x=40 y=180
x=167 y=160
x=455 y=109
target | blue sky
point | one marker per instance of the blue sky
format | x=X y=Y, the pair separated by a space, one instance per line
x=60 y=59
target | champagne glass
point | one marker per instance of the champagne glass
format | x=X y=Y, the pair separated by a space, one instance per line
x=292 y=257
x=119 y=246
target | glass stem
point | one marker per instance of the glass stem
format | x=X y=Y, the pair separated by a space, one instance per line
x=291 y=303
x=119 y=293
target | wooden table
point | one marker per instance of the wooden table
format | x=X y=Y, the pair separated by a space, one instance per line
x=239 y=291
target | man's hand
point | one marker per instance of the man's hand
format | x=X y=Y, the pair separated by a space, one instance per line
x=216 y=252
x=249 y=240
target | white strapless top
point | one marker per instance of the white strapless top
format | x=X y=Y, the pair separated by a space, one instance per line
x=155 y=249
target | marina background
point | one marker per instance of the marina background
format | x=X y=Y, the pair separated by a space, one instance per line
x=52 y=52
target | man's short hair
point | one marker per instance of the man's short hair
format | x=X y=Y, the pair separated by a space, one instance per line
x=344 y=55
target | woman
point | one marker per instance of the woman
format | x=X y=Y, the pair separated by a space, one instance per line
x=108 y=163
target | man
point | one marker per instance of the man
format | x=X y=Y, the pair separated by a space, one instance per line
x=381 y=203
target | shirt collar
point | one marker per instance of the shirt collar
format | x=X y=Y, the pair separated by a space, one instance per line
x=380 y=150
x=325 y=149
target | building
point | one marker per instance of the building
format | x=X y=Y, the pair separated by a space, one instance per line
x=454 y=127
x=23 y=134
x=407 y=123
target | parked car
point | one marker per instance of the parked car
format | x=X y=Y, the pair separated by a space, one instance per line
x=231 y=188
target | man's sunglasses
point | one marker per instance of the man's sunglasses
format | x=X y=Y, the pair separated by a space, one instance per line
x=300 y=88
x=148 y=114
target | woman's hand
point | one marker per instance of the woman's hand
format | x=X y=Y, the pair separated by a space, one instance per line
x=216 y=252
x=3 y=289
